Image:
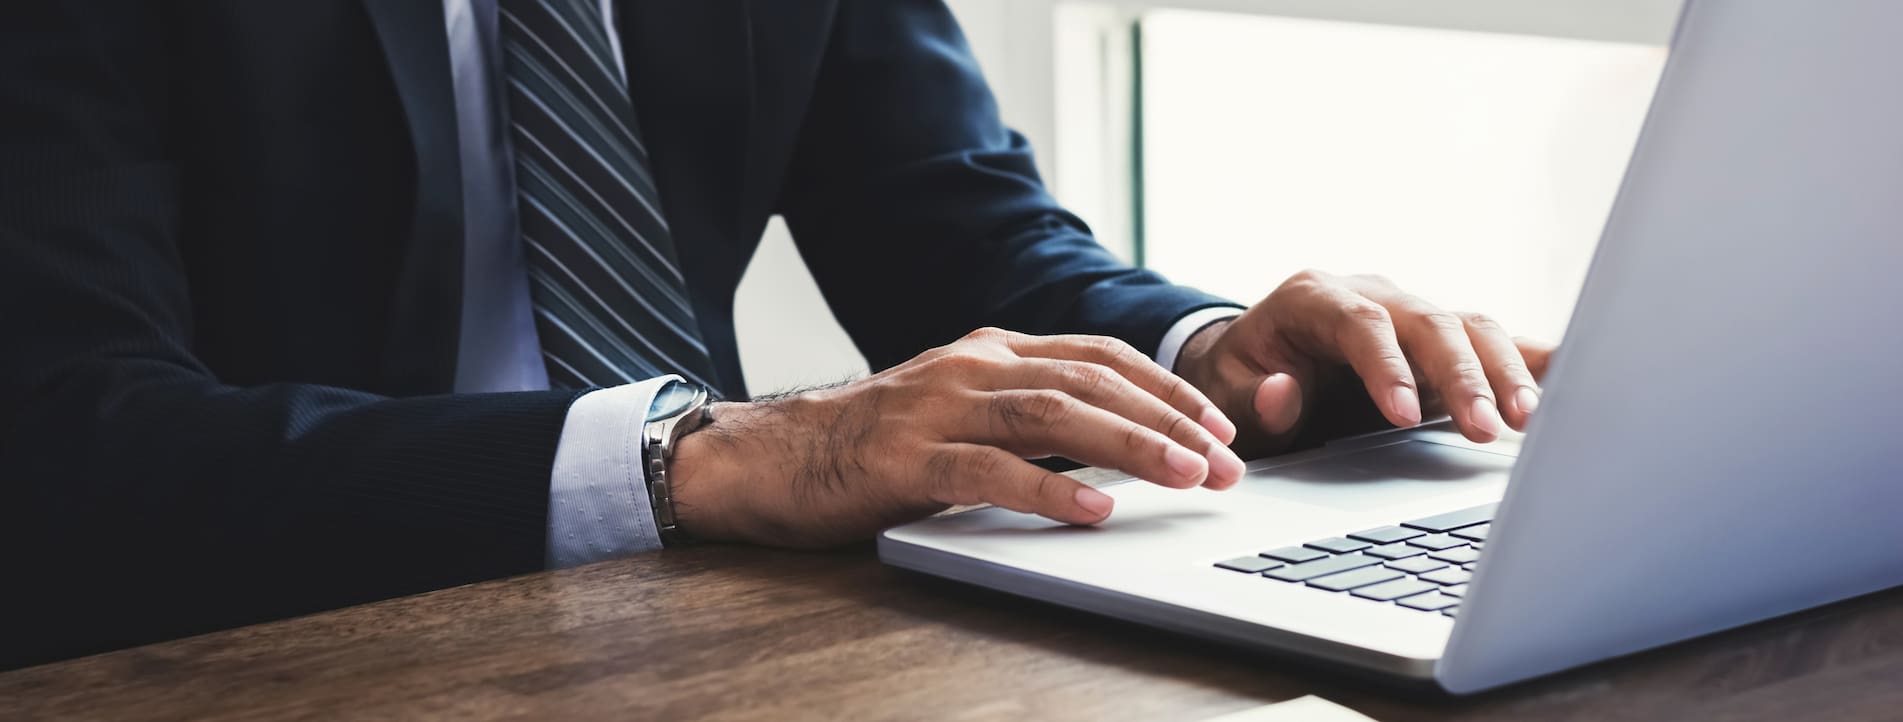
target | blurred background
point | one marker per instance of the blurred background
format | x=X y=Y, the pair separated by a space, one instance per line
x=1468 y=149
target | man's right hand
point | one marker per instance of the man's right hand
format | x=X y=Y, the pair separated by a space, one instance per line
x=950 y=427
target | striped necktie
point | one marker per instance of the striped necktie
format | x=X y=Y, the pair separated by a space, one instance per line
x=610 y=303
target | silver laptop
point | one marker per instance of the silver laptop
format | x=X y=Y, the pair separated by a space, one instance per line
x=1721 y=440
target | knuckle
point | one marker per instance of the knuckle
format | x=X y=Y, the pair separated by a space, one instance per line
x=955 y=362
x=1176 y=390
x=1303 y=283
x=1007 y=411
x=1091 y=378
x=1024 y=410
x=1481 y=322
x=977 y=465
x=1136 y=437
x=1309 y=276
x=1443 y=321
x=1047 y=486
x=941 y=474
x=1113 y=346
x=987 y=333
x=1470 y=370
x=1177 y=426
x=1047 y=405
x=1367 y=313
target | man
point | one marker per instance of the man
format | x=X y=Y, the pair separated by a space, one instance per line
x=314 y=303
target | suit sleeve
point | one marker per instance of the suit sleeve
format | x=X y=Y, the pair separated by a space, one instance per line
x=140 y=496
x=923 y=217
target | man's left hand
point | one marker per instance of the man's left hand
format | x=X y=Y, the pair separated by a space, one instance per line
x=1270 y=368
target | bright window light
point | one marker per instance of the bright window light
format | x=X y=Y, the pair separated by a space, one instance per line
x=1475 y=169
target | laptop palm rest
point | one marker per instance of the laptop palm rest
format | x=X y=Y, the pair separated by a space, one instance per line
x=1395 y=473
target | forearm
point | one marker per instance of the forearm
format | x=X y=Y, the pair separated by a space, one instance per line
x=923 y=217
x=138 y=506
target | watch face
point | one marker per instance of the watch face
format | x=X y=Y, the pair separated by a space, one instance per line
x=673 y=398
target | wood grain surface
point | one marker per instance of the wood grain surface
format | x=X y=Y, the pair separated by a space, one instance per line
x=736 y=633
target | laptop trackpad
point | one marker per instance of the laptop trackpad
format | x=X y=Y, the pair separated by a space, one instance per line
x=1392 y=474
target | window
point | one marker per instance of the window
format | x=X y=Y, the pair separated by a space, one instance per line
x=1475 y=169
x=1468 y=149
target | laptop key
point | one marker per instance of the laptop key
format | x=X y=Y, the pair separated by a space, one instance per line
x=1337 y=545
x=1417 y=565
x=1429 y=602
x=1476 y=533
x=1449 y=576
x=1321 y=568
x=1450 y=611
x=1454 y=519
x=1458 y=590
x=1436 y=542
x=1398 y=550
x=1457 y=555
x=1385 y=535
x=1357 y=578
x=1251 y=565
x=1294 y=555
x=1470 y=566
x=1389 y=591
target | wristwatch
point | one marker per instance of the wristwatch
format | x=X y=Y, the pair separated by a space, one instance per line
x=678 y=409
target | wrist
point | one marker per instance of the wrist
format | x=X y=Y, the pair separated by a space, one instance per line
x=732 y=473
x=1194 y=363
x=707 y=475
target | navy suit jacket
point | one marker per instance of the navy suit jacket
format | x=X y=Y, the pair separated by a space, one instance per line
x=230 y=280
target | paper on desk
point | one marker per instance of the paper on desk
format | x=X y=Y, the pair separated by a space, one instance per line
x=1300 y=709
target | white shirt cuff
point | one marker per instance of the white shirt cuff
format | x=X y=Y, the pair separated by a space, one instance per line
x=598 y=496
x=1186 y=327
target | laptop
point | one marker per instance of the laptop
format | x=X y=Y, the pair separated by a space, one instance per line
x=1718 y=443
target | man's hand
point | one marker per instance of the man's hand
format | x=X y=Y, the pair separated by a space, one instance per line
x=1269 y=369
x=952 y=426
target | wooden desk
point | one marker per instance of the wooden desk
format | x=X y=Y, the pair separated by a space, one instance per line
x=752 y=634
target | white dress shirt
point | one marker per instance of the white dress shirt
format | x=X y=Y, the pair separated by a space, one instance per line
x=598 y=499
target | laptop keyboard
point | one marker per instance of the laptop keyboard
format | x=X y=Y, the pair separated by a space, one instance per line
x=1422 y=565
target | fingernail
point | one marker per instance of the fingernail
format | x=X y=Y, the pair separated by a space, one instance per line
x=1486 y=417
x=1218 y=424
x=1528 y=399
x=1224 y=463
x=1407 y=404
x=1185 y=463
x=1095 y=502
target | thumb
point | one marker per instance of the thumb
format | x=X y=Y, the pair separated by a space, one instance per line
x=1277 y=403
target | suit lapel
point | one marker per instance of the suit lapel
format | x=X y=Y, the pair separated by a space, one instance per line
x=690 y=69
x=423 y=337
x=690 y=76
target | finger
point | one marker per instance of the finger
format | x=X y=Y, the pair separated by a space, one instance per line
x=1362 y=332
x=1507 y=371
x=1278 y=403
x=969 y=473
x=1437 y=341
x=1104 y=388
x=1538 y=355
x=1138 y=368
x=1041 y=422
